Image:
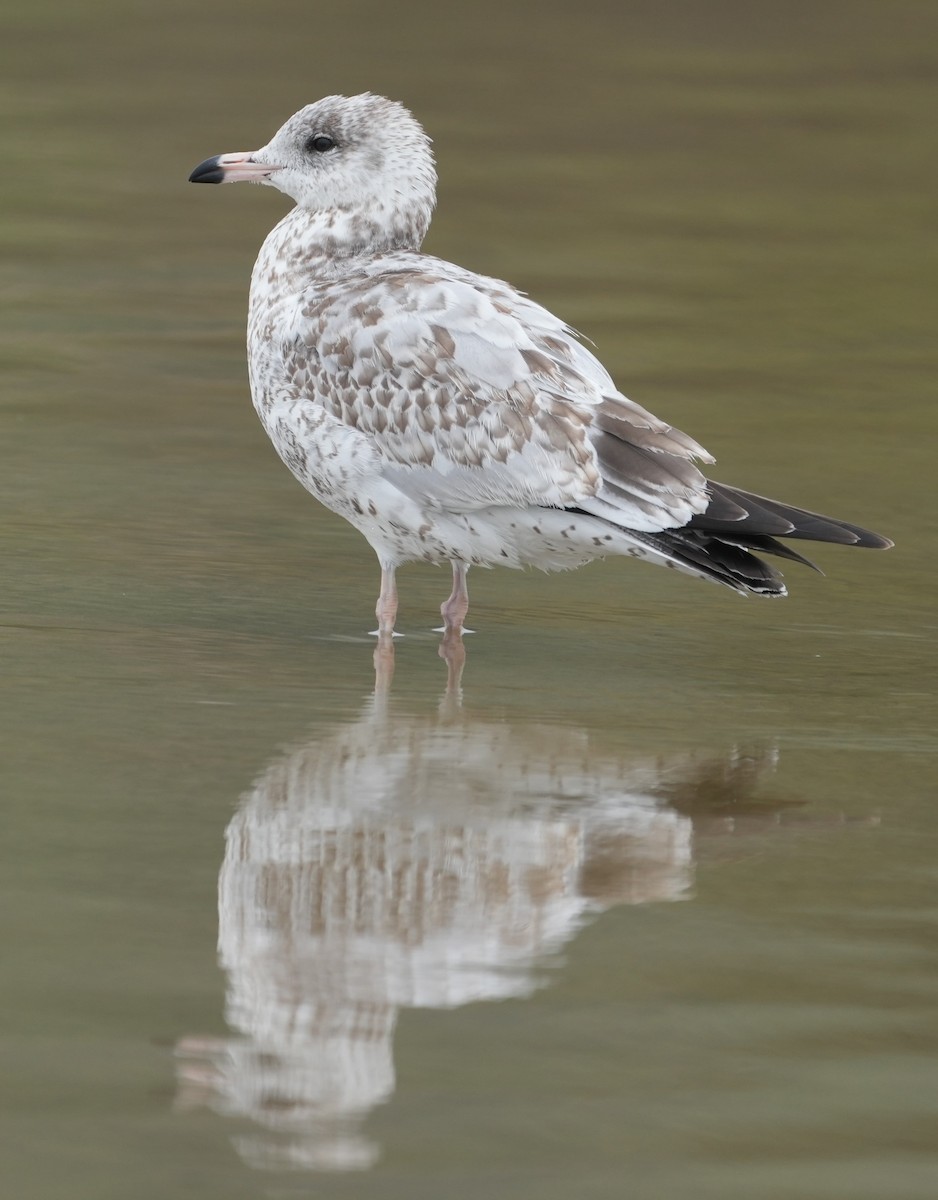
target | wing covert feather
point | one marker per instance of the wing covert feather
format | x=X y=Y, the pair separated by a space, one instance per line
x=472 y=395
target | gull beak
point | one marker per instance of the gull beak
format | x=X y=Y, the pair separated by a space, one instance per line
x=233 y=168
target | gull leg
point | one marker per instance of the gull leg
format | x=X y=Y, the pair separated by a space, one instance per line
x=454 y=608
x=386 y=609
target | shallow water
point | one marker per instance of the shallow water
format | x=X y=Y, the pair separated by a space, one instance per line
x=647 y=906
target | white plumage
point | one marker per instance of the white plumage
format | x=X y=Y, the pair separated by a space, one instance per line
x=444 y=414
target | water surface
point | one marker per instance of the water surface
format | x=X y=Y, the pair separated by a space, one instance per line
x=647 y=908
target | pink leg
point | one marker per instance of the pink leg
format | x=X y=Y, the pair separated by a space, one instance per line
x=454 y=608
x=386 y=610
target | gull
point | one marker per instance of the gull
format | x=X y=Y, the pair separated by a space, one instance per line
x=444 y=414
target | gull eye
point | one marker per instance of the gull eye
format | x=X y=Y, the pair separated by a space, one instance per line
x=320 y=143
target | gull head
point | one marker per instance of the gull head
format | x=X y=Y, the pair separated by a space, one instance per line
x=353 y=154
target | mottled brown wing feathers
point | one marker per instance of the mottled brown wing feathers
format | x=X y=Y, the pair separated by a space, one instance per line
x=454 y=375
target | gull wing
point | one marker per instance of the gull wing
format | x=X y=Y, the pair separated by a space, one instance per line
x=473 y=396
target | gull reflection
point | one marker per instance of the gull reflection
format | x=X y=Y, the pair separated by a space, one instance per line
x=406 y=861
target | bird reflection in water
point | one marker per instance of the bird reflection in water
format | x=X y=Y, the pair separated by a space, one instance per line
x=419 y=862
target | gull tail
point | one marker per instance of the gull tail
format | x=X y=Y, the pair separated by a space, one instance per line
x=719 y=543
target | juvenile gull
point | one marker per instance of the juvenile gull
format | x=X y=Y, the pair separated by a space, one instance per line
x=443 y=413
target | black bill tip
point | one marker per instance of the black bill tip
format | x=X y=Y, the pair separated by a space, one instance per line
x=209 y=171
